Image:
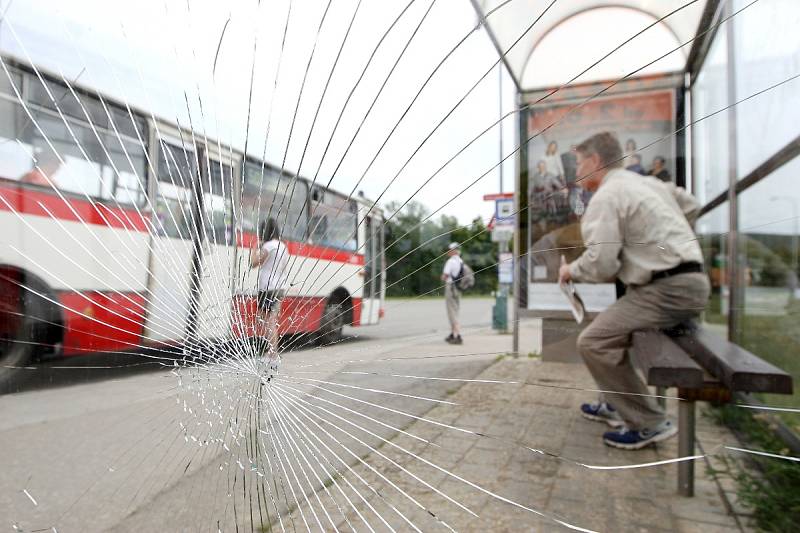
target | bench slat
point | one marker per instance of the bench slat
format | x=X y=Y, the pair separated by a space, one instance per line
x=663 y=363
x=737 y=368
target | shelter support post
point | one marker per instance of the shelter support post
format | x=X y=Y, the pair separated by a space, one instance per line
x=686 y=437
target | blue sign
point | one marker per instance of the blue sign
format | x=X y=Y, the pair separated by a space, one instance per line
x=504 y=211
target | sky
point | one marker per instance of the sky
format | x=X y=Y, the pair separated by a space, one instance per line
x=191 y=62
x=167 y=58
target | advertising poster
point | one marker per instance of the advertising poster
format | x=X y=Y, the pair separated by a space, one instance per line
x=556 y=201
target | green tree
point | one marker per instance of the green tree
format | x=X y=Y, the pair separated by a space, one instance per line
x=415 y=252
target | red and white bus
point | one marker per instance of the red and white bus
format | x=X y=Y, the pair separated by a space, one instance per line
x=119 y=230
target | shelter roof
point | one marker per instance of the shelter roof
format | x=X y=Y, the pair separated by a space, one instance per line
x=508 y=20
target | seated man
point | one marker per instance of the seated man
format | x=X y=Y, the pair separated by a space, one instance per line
x=637 y=229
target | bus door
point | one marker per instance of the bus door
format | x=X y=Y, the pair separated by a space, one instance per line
x=218 y=236
x=173 y=236
x=373 y=270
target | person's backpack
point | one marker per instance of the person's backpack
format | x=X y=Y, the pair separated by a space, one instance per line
x=466 y=277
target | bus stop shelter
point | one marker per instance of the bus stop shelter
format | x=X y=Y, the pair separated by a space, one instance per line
x=700 y=93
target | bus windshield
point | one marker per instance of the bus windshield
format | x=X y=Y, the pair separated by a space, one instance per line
x=266 y=194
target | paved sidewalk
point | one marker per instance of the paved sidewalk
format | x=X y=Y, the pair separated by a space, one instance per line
x=502 y=485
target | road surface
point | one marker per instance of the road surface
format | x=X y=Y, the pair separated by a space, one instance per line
x=134 y=445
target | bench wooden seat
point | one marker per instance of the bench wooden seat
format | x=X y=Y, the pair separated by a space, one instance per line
x=663 y=363
x=702 y=366
x=737 y=368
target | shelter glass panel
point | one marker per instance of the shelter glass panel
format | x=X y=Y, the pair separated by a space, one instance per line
x=768 y=244
x=767 y=52
x=710 y=134
x=712 y=235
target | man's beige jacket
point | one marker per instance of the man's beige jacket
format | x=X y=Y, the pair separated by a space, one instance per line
x=634 y=226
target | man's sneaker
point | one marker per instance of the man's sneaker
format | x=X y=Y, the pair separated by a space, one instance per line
x=455 y=340
x=629 y=439
x=449 y=338
x=602 y=412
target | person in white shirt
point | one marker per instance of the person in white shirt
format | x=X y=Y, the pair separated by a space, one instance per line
x=552 y=161
x=637 y=229
x=452 y=296
x=272 y=260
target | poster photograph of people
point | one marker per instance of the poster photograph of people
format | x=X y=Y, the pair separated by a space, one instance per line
x=556 y=200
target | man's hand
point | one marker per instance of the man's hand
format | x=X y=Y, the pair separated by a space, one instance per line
x=563 y=273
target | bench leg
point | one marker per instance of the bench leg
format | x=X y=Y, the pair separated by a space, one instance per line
x=686 y=428
x=661 y=391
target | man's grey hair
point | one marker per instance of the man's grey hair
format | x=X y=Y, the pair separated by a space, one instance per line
x=606 y=145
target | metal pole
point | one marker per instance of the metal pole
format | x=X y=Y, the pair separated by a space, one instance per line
x=735 y=288
x=686 y=428
x=520 y=198
x=793 y=279
x=503 y=245
x=500 y=113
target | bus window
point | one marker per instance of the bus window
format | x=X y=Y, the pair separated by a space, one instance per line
x=333 y=222
x=217 y=203
x=67 y=103
x=80 y=163
x=5 y=84
x=369 y=257
x=126 y=184
x=176 y=168
x=15 y=156
x=125 y=125
x=379 y=257
x=265 y=194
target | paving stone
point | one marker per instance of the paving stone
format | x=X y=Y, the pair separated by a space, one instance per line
x=542 y=417
x=700 y=510
x=642 y=511
x=697 y=526
x=456 y=443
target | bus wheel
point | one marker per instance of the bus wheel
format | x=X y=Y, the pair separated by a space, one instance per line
x=331 y=324
x=17 y=342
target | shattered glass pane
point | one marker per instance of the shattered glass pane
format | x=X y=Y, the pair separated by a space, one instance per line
x=227 y=299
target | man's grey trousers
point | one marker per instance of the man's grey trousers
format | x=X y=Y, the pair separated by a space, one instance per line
x=604 y=343
x=452 y=299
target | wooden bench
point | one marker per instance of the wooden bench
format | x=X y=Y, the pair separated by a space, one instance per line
x=703 y=367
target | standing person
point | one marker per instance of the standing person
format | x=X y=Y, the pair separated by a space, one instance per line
x=548 y=188
x=46 y=166
x=452 y=296
x=659 y=169
x=553 y=161
x=272 y=260
x=636 y=165
x=637 y=229
x=570 y=164
x=630 y=151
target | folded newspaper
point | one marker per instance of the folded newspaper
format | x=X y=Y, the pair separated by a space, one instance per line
x=574 y=299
